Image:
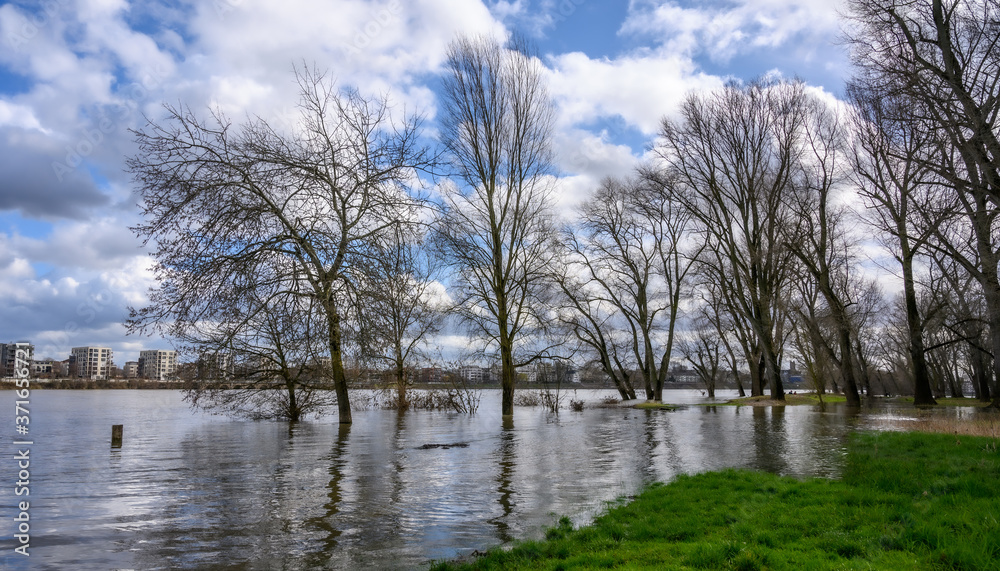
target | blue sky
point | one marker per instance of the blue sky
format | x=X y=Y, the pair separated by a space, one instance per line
x=75 y=76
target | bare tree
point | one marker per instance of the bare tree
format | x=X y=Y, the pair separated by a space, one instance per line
x=944 y=57
x=248 y=207
x=702 y=348
x=261 y=360
x=496 y=229
x=404 y=305
x=819 y=238
x=813 y=336
x=733 y=154
x=625 y=256
x=895 y=184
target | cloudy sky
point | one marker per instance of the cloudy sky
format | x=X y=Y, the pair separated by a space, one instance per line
x=76 y=75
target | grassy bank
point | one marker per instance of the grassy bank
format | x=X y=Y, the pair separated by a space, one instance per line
x=790 y=400
x=906 y=501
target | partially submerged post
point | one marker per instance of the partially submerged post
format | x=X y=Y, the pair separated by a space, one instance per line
x=117 y=430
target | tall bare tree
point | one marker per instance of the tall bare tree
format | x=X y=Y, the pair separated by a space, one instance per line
x=944 y=57
x=819 y=236
x=895 y=183
x=249 y=207
x=733 y=153
x=496 y=122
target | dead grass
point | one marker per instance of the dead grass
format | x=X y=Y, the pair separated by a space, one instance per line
x=989 y=427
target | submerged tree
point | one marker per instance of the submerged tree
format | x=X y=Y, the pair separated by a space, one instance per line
x=496 y=227
x=261 y=360
x=247 y=207
x=625 y=259
x=403 y=305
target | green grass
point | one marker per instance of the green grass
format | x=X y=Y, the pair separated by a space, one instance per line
x=906 y=501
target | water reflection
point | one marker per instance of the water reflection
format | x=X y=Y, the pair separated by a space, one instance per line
x=770 y=440
x=392 y=491
x=324 y=522
x=505 y=491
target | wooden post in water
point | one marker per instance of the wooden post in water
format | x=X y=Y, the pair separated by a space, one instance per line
x=117 y=430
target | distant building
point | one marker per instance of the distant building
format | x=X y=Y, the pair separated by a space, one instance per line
x=683 y=375
x=214 y=366
x=791 y=375
x=157 y=364
x=472 y=375
x=44 y=368
x=15 y=357
x=91 y=362
x=431 y=375
x=130 y=369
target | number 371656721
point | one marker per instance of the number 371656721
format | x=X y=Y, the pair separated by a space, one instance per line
x=21 y=364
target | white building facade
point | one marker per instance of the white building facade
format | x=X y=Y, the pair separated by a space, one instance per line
x=92 y=362
x=157 y=364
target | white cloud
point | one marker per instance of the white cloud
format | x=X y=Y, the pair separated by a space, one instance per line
x=721 y=30
x=19 y=116
x=641 y=88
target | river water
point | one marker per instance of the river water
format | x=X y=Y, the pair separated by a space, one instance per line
x=393 y=491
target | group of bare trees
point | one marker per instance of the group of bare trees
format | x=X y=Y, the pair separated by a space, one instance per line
x=737 y=248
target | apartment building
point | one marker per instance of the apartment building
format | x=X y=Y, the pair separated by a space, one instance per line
x=157 y=364
x=91 y=362
x=14 y=357
x=130 y=369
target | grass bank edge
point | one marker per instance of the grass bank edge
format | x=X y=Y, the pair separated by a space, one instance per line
x=907 y=500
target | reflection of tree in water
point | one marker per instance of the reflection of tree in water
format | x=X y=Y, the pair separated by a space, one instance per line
x=770 y=439
x=325 y=521
x=228 y=503
x=507 y=461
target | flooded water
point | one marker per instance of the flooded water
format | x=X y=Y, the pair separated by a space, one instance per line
x=191 y=490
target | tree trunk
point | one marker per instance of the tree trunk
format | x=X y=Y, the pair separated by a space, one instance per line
x=401 y=399
x=337 y=366
x=982 y=224
x=981 y=373
x=757 y=377
x=847 y=366
x=507 y=376
x=773 y=374
x=922 y=394
x=293 y=408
